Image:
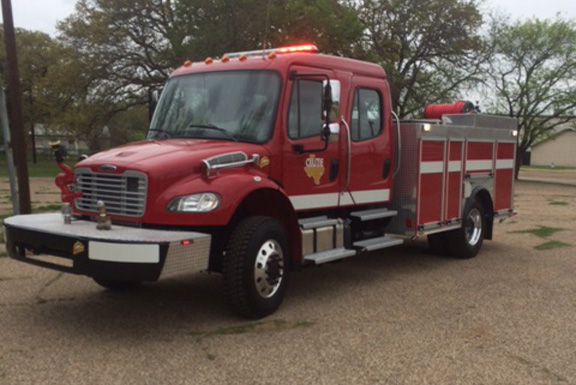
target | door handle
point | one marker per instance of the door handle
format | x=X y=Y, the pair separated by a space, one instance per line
x=334 y=167
x=386 y=168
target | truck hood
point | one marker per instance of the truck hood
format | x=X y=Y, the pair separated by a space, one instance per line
x=166 y=156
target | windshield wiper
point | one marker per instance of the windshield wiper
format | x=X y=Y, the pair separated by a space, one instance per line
x=166 y=134
x=213 y=127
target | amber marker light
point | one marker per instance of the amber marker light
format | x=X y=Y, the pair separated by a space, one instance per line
x=208 y=60
x=272 y=55
x=187 y=63
x=243 y=57
x=225 y=59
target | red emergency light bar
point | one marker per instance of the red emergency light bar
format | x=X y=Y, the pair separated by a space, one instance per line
x=306 y=48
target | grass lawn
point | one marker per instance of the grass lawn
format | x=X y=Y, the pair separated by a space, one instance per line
x=45 y=166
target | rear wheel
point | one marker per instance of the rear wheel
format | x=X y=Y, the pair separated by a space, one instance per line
x=466 y=242
x=255 y=267
x=117 y=285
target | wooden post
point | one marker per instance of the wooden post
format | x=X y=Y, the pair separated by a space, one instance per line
x=15 y=112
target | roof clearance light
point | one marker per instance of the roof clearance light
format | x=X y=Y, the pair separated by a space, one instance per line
x=208 y=60
x=305 y=48
x=298 y=48
x=187 y=63
x=225 y=59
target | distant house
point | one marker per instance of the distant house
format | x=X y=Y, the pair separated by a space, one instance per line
x=44 y=135
x=558 y=149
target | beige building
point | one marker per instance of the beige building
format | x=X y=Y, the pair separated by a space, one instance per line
x=559 y=149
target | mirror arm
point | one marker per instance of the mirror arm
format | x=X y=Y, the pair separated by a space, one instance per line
x=299 y=148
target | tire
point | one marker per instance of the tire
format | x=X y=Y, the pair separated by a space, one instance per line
x=117 y=285
x=465 y=242
x=256 y=267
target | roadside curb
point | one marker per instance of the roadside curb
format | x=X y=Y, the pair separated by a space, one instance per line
x=549 y=181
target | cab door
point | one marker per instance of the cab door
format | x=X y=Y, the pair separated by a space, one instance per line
x=311 y=167
x=371 y=158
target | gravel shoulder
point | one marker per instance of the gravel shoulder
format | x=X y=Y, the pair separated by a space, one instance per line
x=401 y=316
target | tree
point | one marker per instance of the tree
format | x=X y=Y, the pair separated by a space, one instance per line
x=124 y=47
x=36 y=55
x=137 y=43
x=429 y=48
x=85 y=104
x=533 y=76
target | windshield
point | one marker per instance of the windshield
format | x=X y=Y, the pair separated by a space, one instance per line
x=234 y=105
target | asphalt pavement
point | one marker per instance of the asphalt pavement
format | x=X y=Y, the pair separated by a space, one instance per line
x=399 y=316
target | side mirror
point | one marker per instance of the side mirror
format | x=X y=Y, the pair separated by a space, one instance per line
x=332 y=109
x=327 y=98
x=153 y=97
x=326 y=132
x=155 y=94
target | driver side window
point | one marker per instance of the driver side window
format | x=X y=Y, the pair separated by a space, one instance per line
x=305 y=114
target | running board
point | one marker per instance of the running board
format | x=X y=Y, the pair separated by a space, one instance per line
x=377 y=243
x=368 y=215
x=329 y=255
x=315 y=222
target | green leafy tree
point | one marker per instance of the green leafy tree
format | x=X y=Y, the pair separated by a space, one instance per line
x=117 y=49
x=37 y=54
x=136 y=43
x=429 y=48
x=532 y=76
x=85 y=104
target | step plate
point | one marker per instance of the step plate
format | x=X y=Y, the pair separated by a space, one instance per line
x=330 y=255
x=368 y=215
x=315 y=222
x=377 y=243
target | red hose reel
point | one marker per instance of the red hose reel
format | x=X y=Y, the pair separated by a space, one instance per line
x=435 y=111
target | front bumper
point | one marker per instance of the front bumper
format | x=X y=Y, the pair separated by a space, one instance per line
x=122 y=253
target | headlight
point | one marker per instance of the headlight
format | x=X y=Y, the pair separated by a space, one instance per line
x=195 y=203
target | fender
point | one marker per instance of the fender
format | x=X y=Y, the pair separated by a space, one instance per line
x=277 y=206
x=232 y=187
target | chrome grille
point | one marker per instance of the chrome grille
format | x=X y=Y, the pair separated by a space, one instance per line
x=123 y=194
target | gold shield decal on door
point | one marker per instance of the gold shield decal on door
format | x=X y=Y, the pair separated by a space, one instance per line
x=78 y=248
x=314 y=168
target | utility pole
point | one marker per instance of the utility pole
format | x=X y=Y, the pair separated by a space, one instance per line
x=8 y=149
x=15 y=103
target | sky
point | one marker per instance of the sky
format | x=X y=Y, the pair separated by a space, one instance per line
x=43 y=15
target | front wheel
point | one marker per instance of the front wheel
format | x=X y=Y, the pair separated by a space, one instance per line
x=255 y=267
x=466 y=242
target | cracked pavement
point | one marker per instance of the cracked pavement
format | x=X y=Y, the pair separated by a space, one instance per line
x=399 y=316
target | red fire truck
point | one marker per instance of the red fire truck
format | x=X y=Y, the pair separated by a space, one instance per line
x=265 y=161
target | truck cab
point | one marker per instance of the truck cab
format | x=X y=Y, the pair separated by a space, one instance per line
x=261 y=162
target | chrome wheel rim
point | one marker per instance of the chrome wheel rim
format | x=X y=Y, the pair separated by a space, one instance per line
x=268 y=269
x=473 y=227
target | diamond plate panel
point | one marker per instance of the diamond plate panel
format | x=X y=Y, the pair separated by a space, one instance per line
x=185 y=259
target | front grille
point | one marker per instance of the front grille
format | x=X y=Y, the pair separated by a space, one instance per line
x=123 y=194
